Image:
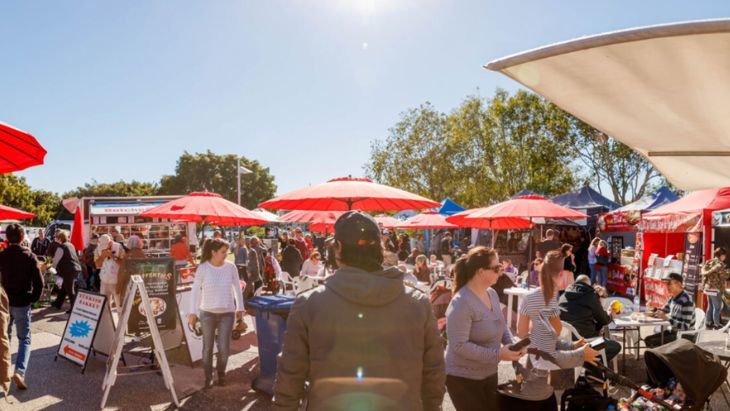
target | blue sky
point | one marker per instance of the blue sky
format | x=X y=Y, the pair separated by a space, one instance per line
x=118 y=90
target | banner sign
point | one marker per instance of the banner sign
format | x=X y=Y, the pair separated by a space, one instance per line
x=81 y=327
x=159 y=280
x=692 y=262
x=619 y=221
x=673 y=223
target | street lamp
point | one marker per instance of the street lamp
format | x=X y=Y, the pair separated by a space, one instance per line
x=240 y=170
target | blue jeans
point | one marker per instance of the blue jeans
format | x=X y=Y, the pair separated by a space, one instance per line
x=223 y=323
x=602 y=275
x=592 y=268
x=714 y=306
x=21 y=317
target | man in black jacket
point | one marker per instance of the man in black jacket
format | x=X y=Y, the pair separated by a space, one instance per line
x=581 y=307
x=22 y=280
x=67 y=264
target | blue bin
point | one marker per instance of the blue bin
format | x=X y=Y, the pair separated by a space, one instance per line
x=271 y=314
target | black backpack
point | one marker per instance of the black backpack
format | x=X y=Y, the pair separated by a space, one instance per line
x=583 y=397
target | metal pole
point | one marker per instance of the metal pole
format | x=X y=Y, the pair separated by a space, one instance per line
x=238 y=178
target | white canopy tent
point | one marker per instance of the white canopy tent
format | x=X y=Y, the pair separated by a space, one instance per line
x=662 y=90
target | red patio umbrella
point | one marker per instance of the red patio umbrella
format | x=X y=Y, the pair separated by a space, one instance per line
x=18 y=150
x=325 y=228
x=205 y=207
x=311 y=216
x=10 y=213
x=507 y=223
x=520 y=208
x=427 y=219
x=387 y=221
x=348 y=193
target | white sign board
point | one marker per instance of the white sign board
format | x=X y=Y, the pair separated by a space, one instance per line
x=78 y=337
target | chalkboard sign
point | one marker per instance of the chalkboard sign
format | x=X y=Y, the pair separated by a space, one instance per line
x=158 y=275
x=692 y=262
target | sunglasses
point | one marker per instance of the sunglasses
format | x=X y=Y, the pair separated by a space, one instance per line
x=494 y=267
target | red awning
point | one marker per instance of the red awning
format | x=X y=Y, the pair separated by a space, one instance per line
x=427 y=219
x=205 y=207
x=513 y=214
x=18 y=150
x=348 y=193
x=10 y=213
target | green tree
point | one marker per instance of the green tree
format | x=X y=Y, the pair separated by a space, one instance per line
x=482 y=152
x=15 y=192
x=117 y=189
x=217 y=173
x=416 y=155
x=609 y=162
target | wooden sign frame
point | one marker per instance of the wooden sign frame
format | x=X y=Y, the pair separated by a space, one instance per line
x=136 y=285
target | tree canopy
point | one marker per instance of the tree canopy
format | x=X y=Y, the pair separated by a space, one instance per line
x=485 y=150
x=117 y=189
x=217 y=173
x=15 y=192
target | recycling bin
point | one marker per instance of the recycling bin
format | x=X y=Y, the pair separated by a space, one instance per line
x=271 y=313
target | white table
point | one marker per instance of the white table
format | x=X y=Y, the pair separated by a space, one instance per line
x=519 y=293
x=626 y=322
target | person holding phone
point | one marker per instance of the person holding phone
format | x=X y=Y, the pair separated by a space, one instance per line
x=217 y=299
x=109 y=257
x=540 y=319
x=478 y=338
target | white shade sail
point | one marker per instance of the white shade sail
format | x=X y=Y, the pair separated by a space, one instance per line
x=662 y=90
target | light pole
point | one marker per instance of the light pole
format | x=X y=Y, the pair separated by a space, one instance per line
x=240 y=170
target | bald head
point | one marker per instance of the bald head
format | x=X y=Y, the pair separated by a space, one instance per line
x=583 y=279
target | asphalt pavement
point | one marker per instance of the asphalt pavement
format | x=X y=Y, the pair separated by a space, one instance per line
x=57 y=384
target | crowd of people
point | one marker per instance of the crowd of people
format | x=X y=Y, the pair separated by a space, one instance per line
x=373 y=317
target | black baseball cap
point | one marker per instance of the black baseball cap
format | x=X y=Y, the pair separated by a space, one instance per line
x=673 y=276
x=357 y=228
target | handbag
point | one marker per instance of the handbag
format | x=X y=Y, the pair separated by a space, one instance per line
x=602 y=259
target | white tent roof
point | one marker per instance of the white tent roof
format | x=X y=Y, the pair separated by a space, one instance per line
x=662 y=90
x=267 y=215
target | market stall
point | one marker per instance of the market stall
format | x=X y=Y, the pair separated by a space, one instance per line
x=684 y=229
x=619 y=229
x=102 y=215
x=592 y=203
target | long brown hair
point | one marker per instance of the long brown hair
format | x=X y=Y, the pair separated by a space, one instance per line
x=551 y=268
x=210 y=245
x=467 y=265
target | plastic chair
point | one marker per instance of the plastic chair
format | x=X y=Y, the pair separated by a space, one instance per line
x=302 y=283
x=568 y=330
x=699 y=324
x=287 y=283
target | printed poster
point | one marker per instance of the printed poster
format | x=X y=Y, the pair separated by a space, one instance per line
x=158 y=275
x=78 y=336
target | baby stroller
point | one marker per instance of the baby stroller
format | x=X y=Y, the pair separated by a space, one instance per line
x=694 y=368
x=440 y=297
x=691 y=367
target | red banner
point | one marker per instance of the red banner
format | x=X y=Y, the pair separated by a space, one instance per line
x=655 y=292
x=673 y=223
x=619 y=221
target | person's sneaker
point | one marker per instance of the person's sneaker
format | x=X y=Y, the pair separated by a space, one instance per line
x=710 y=326
x=208 y=383
x=19 y=382
x=221 y=381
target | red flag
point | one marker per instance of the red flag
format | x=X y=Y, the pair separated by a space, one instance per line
x=77 y=237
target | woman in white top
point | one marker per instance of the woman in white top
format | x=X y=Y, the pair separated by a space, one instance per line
x=108 y=257
x=218 y=289
x=312 y=266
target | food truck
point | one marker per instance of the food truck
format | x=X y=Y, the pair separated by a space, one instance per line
x=101 y=214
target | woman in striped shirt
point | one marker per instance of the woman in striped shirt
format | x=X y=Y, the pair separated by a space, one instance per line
x=218 y=289
x=540 y=319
